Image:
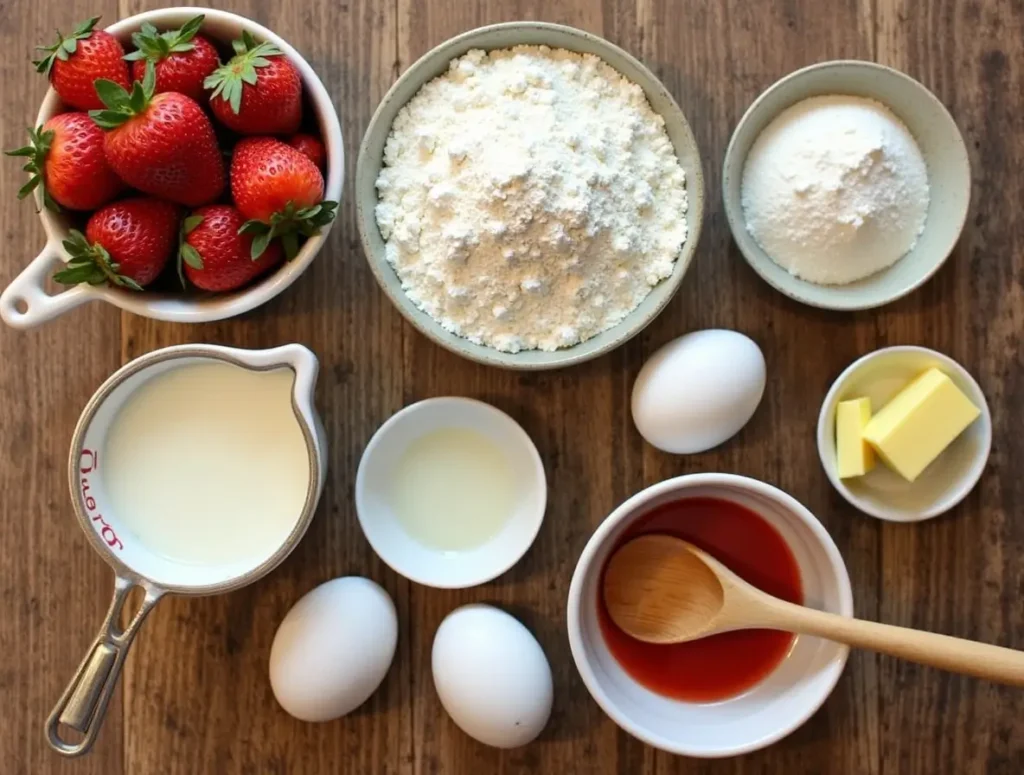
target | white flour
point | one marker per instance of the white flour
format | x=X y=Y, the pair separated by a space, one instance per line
x=835 y=189
x=530 y=198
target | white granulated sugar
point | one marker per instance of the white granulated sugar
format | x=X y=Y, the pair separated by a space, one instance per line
x=530 y=198
x=835 y=189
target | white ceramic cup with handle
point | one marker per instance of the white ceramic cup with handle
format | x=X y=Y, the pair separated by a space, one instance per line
x=26 y=302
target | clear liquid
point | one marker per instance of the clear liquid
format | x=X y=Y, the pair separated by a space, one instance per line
x=207 y=464
x=453 y=489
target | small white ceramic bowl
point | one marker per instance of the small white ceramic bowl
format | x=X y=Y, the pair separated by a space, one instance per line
x=26 y=303
x=424 y=564
x=881 y=492
x=949 y=176
x=772 y=709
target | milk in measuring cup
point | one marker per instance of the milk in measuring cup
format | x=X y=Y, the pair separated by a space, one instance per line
x=207 y=463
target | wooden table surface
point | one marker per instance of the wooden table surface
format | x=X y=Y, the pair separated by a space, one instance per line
x=194 y=697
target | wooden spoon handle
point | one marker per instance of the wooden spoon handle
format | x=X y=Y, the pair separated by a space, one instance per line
x=957 y=655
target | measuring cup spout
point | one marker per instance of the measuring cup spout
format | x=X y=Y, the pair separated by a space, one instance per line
x=83 y=704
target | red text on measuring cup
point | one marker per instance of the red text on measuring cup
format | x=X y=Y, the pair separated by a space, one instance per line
x=85 y=466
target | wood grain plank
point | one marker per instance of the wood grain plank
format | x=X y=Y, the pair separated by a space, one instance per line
x=578 y=422
x=196 y=689
x=195 y=694
x=963 y=574
x=716 y=59
x=53 y=589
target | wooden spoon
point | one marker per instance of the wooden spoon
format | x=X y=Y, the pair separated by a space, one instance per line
x=661 y=589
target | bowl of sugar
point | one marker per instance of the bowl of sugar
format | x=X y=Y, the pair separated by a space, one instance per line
x=846 y=185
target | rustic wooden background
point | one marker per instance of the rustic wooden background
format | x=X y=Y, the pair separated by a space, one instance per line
x=194 y=698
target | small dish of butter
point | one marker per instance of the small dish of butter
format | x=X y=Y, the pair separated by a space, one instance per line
x=904 y=433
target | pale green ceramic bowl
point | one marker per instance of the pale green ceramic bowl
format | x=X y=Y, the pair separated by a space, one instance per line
x=949 y=176
x=433 y=64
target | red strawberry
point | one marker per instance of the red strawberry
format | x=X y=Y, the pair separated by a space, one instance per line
x=182 y=59
x=127 y=243
x=66 y=158
x=216 y=256
x=280 y=190
x=258 y=91
x=312 y=147
x=163 y=145
x=74 y=63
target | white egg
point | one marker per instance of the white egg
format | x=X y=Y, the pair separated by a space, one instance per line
x=492 y=676
x=698 y=390
x=333 y=649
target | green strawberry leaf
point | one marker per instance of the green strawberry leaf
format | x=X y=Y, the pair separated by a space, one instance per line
x=122 y=105
x=85 y=28
x=290 y=243
x=111 y=94
x=153 y=45
x=64 y=47
x=191 y=256
x=90 y=264
x=149 y=82
x=253 y=227
x=259 y=245
x=36 y=152
x=228 y=80
x=288 y=224
x=187 y=254
x=29 y=187
x=107 y=119
x=189 y=29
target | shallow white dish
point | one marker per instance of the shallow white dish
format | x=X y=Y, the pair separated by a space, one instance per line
x=772 y=709
x=881 y=492
x=26 y=303
x=425 y=564
x=941 y=144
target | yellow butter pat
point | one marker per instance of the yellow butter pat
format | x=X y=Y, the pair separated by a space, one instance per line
x=853 y=455
x=919 y=423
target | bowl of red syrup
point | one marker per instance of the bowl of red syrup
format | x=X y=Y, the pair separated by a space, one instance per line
x=730 y=693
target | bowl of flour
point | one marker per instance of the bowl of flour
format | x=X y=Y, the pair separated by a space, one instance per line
x=846 y=185
x=529 y=195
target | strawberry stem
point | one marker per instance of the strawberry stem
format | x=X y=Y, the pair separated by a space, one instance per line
x=288 y=224
x=64 y=47
x=228 y=81
x=36 y=152
x=122 y=105
x=90 y=264
x=154 y=45
x=187 y=254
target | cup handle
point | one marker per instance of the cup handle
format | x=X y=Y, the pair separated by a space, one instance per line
x=25 y=302
x=84 y=702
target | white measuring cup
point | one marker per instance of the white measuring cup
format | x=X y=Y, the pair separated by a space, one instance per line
x=83 y=704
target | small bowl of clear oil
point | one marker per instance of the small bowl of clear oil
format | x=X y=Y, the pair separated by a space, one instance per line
x=450 y=492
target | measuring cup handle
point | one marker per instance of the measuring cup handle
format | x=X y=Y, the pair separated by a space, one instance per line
x=25 y=302
x=84 y=702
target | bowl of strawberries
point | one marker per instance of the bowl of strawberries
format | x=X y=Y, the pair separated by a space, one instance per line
x=186 y=164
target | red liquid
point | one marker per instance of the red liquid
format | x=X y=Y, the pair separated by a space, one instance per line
x=725 y=665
